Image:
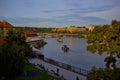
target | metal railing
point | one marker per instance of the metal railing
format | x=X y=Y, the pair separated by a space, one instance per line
x=66 y=66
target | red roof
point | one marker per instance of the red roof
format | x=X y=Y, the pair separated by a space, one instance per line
x=30 y=34
x=1 y=41
x=5 y=24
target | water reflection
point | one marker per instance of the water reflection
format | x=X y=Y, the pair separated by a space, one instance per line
x=77 y=55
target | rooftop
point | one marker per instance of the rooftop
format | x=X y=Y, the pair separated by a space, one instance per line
x=5 y=24
x=30 y=34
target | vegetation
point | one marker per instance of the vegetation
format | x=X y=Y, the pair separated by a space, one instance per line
x=39 y=30
x=13 y=62
x=12 y=55
x=17 y=37
x=12 y=59
x=40 y=44
x=42 y=74
x=105 y=39
x=103 y=74
x=70 y=29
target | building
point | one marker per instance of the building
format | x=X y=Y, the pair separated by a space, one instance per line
x=76 y=29
x=69 y=29
x=32 y=38
x=90 y=28
x=4 y=27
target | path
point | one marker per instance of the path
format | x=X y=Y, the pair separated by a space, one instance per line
x=66 y=73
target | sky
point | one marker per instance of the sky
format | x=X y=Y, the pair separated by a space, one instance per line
x=59 y=13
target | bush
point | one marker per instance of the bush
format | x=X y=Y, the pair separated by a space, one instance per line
x=105 y=74
x=12 y=61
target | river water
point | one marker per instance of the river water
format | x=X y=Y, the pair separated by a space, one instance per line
x=77 y=56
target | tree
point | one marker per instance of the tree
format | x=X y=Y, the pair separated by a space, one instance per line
x=105 y=39
x=103 y=74
x=17 y=37
x=12 y=61
x=12 y=54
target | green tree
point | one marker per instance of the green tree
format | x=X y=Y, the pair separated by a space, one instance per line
x=103 y=74
x=17 y=37
x=12 y=61
x=12 y=54
x=11 y=58
x=105 y=39
x=72 y=26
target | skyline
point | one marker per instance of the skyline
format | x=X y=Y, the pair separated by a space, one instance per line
x=59 y=13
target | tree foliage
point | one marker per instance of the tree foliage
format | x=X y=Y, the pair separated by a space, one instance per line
x=39 y=30
x=11 y=61
x=17 y=37
x=105 y=39
x=12 y=54
x=103 y=74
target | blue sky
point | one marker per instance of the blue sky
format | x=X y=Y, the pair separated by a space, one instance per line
x=59 y=13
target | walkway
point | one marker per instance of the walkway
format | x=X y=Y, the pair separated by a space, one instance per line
x=62 y=72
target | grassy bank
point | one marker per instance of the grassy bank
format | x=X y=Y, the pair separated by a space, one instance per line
x=37 y=74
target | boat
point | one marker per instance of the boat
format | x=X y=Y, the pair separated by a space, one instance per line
x=60 y=40
x=65 y=48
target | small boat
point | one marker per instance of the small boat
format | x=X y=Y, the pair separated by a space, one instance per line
x=60 y=40
x=65 y=48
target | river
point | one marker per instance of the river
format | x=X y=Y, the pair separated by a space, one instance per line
x=77 y=56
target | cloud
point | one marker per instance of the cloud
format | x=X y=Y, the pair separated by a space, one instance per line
x=61 y=21
x=109 y=15
x=59 y=12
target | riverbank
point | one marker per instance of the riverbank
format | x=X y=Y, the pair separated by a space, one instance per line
x=33 y=72
x=65 y=67
x=68 y=75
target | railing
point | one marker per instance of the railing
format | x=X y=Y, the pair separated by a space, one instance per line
x=67 y=66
